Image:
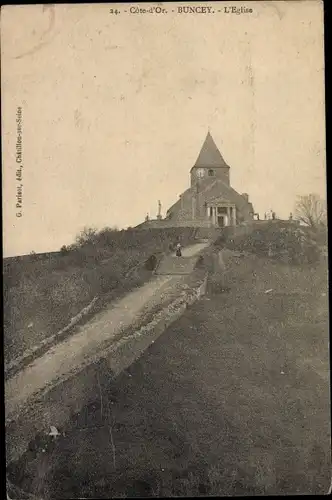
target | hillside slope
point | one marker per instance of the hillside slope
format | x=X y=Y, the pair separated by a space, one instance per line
x=42 y=295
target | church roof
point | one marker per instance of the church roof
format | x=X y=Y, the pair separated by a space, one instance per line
x=213 y=191
x=210 y=155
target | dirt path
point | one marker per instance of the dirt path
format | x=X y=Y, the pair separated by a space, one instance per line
x=194 y=249
x=77 y=349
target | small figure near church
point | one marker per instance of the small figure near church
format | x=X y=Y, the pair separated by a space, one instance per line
x=291 y=216
x=178 y=250
x=147 y=217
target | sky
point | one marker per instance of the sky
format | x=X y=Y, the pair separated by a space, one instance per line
x=115 y=109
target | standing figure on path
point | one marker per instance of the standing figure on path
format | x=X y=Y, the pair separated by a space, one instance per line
x=178 y=250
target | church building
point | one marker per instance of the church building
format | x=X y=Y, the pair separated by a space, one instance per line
x=210 y=200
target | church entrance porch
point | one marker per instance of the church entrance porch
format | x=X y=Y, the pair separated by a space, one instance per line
x=221 y=215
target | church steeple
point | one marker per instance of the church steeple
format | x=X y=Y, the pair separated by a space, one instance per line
x=210 y=163
x=210 y=155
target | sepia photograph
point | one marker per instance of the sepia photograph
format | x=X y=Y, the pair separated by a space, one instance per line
x=165 y=250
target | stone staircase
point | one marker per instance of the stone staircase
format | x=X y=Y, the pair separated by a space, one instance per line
x=172 y=265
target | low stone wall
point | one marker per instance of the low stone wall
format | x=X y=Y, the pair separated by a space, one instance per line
x=57 y=404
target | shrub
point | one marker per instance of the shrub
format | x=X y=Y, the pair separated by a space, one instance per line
x=64 y=250
x=278 y=241
x=151 y=263
x=33 y=256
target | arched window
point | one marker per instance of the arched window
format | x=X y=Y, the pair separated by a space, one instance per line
x=211 y=172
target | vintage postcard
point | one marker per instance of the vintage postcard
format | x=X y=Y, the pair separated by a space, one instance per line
x=166 y=326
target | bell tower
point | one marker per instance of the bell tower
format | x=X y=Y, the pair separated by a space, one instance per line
x=209 y=164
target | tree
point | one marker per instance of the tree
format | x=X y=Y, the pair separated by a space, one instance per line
x=310 y=209
x=88 y=235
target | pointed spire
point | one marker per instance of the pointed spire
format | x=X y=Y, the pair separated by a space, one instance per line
x=210 y=155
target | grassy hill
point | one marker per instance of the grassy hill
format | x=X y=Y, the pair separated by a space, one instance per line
x=232 y=400
x=43 y=292
x=281 y=240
